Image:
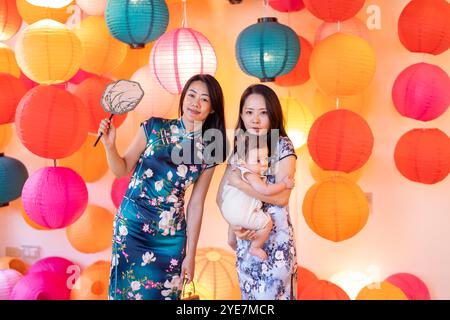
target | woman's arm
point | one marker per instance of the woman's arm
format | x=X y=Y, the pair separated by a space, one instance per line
x=222 y=183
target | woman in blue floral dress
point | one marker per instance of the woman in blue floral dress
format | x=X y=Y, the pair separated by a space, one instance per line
x=149 y=254
x=275 y=278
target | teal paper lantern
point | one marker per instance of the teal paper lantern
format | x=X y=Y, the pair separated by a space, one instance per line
x=137 y=22
x=267 y=49
x=13 y=175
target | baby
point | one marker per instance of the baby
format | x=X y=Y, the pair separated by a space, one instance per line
x=239 y=209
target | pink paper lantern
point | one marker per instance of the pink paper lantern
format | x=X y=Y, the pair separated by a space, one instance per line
x=54 y=197
x=58 y=265
x=41 y=286
x=92 y=8
x=412 y=286
x=8 y=279
x=352 y=26
x=180 y=54
x=422 y=92
x=118 y=189
x=80 y=76
x=287 y=5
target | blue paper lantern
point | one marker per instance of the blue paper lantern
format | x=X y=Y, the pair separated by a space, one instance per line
x=137 y=22
x=13 y=175
x=267 y=49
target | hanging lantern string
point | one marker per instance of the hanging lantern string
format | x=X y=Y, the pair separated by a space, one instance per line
x=54 y=162
x=184 y=23
x=265 y=8
x=337 y=103
x=339 y=26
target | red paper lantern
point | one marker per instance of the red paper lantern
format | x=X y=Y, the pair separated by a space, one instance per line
x=424 y=26
x=334 y=10
x=412 y=286
x=51 y=122
x=12 y=90
x=304 y=278
x=10 y=19
x=287 y=5
x=300 y=73
x=323 y=290
x=423 y=155
x=340 y=140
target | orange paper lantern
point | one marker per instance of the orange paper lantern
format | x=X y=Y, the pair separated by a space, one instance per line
x=134 y=60
x=340 y=140
x=323 y=290
x=334 y=10
x=12 y=90
x=51 y=123
x=93 y=283
x=5 y=136
x=10 y=20
x=381 y=291
x=13 y=263
x=423 y=155
x=93 y=231
x=8 y=62
x=90 y=91
x=32 y=13
x=335 y=209
x=304 y=278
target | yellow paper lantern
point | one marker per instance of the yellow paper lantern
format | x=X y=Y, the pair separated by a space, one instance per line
x=134 y=60
x=298 y=120
x=8 y=62
x=215 y=274
x=101 y=52
x=92 y=283
x=48 y=52
x=13 y=263
x=342 y=65
x=35 y=10
x=10 y=20
x=323 y=103
x=5 y=136
x=320 y=175
x=381 y=291
x=90 y=163
x=335 y=209
x=93 y=231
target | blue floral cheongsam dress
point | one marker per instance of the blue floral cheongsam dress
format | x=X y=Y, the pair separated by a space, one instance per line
x=149 y=228
x=276 y=277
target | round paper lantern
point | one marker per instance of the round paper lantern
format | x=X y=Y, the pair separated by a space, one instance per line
x=334 y=10
x=352 y=26
x=351 y=282
x=10 y=20
x=135 y=59
x=51 y=122
x=180 y=54
x=137 y=22
x=267 y=49
x=13 y=263
x=324 y=103
x=90 y=163
x=423 y=155
x=323 y=290
x=335 y=209
x=33 y=11
x=287 y=5
x=319 y=175
x=54 y=197
x=30 y=222
x=215 y=271
x=41 y=286
x=8 y=62
x=342 y=65
x=59 y=48
x=13 y=175
x=298 y=120
x=5 y=136
x=92 y=283
x=300 y=74
x=304 y=278
x=93 y=231
x=412 y=286
x=92 y=8
x=12 y=90
x=99 y=45
x=118 y=189
x=340 y=140
x=422 y=92
x=381 y=291
x=424 y=26
x=8 y=279
x=57 y=265
x=90 y=92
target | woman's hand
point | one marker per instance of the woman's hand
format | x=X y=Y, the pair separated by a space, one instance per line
x=244 y=234
x=187 y=269
x=109 y=133
x=234 y=179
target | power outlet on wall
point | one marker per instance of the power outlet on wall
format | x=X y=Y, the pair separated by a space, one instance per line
x=30 y=253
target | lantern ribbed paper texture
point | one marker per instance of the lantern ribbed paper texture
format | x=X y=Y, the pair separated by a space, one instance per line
x=30 y=222
x=180 y=54
x=424 y=26
x=59 y=50
x=412 y=286
x=335 y=209
x=32 y=13
x=287 y=5
x=298 y=120
x=10 y=20
x=381 y=291
x=334 y=10
x=267 y=49
x=423 y=155
x=92 y=283
x=5 y=136
x=340 y=140
x=92 y=8
x=422 y=92
x=118 y=189
x=12 y=90
x=13 y=175
x=41 y=286
x=323 y=290
x=342 y=65
x=137 y=22
x=54 y=197
x=8 y=279
x=51 y=122
x=8 y=62
x=58 y=265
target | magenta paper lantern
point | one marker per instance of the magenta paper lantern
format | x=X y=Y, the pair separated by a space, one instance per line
x=41 y=286
x=61 y=266
x=412 y=286
x=287 y=5
x=8 y=280
x=54 y=197
x=118 y=190
x=422 y=92
x=180 y=54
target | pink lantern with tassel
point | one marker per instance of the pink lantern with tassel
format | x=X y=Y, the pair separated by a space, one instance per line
x=41 y=286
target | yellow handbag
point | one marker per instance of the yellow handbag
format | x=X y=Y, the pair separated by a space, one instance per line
x=191 y=294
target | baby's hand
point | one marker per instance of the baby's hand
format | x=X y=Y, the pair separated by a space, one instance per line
x=289 y=182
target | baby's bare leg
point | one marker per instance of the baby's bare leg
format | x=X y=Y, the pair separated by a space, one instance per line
x=261 y=236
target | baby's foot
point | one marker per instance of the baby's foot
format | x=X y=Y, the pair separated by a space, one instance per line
x=260 y=253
